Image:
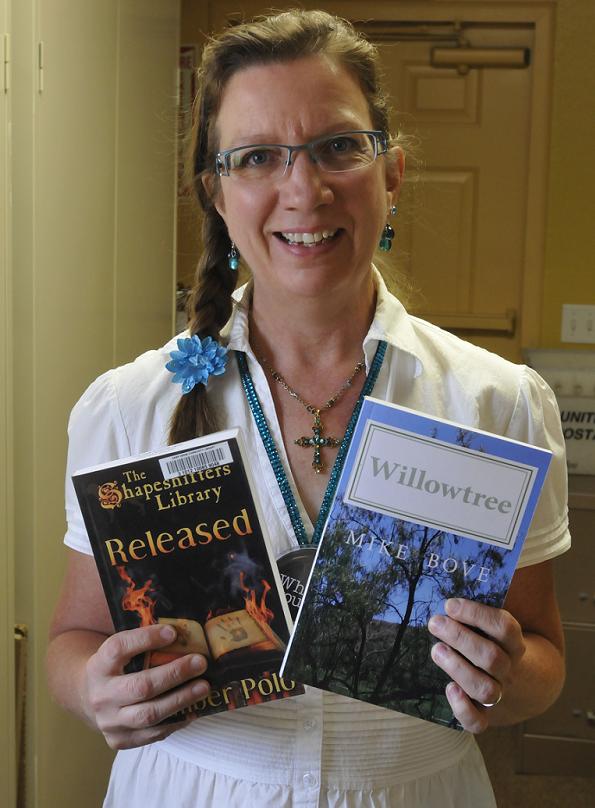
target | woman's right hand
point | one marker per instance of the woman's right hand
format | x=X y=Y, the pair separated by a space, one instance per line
x=128 y=708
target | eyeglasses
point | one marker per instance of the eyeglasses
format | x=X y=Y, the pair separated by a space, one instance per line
x=343 y=151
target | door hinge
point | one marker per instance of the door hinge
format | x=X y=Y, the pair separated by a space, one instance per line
x=6 y=63
x=40 y=66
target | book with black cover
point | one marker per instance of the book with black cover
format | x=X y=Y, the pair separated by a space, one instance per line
x=425 y=510
x=178 y=538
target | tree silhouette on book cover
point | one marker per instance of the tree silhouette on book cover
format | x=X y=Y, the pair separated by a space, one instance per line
x=365 y=634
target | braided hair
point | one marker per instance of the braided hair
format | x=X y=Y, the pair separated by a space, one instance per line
x=280 y=38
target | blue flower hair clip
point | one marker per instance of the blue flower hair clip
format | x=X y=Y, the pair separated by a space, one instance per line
x=196 y=360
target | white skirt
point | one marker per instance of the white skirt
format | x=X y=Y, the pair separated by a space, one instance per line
x=150 y=777
x=313 y=751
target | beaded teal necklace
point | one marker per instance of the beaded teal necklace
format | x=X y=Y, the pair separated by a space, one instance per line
x=275 y=460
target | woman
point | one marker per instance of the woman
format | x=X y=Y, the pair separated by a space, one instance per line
x=306 y=218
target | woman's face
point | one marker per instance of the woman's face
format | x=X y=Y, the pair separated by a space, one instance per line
x=293 y=103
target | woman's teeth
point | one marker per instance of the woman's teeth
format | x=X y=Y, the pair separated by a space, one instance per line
x=308 y=239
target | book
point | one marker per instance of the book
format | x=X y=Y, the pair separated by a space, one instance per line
x=425 y=510
x=178 y=537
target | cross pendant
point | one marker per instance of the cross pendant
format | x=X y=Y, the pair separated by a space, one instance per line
x=317 y=442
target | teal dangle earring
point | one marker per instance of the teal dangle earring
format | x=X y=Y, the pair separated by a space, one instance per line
x=388 y=234
x=233 y=258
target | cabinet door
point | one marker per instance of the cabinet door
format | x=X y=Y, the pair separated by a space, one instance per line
x=575 y=570
x=573 y=714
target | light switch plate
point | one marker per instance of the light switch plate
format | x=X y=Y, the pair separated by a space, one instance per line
x=578 y=323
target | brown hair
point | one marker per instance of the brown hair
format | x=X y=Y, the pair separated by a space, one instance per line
x=281 y=38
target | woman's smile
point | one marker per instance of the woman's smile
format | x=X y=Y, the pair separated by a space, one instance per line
x=308 y=238
x=309 y=243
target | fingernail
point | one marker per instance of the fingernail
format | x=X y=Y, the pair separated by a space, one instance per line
x=453 y=605
x=436 y=622
x=197 y=663
x=438 y=652
x=200 y=690
x=168 y=633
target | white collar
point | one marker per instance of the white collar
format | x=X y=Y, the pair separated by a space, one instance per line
x=391 y=323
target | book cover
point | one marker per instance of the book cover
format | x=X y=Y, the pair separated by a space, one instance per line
x=425 y=510
x=178 y=538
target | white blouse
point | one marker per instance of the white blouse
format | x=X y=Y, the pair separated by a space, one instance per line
x=318 y=749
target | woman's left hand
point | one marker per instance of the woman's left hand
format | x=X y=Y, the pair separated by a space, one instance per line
x=481 y=665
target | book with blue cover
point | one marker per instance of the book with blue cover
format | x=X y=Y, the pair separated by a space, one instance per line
x=425 y=510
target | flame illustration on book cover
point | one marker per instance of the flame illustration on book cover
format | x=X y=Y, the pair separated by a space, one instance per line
x=224 y=632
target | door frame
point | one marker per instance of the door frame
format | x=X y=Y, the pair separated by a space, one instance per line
x=7 y=651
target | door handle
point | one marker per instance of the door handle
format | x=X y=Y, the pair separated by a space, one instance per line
x=465 y=58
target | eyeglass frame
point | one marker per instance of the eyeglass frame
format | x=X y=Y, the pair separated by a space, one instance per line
x=380 y=140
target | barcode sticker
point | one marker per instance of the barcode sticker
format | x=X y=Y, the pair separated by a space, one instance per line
x=190 y=462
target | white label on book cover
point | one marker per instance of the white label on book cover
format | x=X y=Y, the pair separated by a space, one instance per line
x=442 y=485
x=194 y=460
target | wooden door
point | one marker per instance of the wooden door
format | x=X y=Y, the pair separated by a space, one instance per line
x=462 y=228
x=471 y=223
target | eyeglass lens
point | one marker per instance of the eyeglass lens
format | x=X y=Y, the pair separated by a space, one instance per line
x=346 y=151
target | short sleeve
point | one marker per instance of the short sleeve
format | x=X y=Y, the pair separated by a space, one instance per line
x=96 y=434
x=536 y=420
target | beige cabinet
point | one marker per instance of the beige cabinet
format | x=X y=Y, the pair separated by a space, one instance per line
x=91 y=273
x=562 y=740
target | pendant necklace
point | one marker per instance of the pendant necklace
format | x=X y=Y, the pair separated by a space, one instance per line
x=275 y=460
x=318 y=440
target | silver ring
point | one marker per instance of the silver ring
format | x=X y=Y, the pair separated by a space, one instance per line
x=494 y=703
